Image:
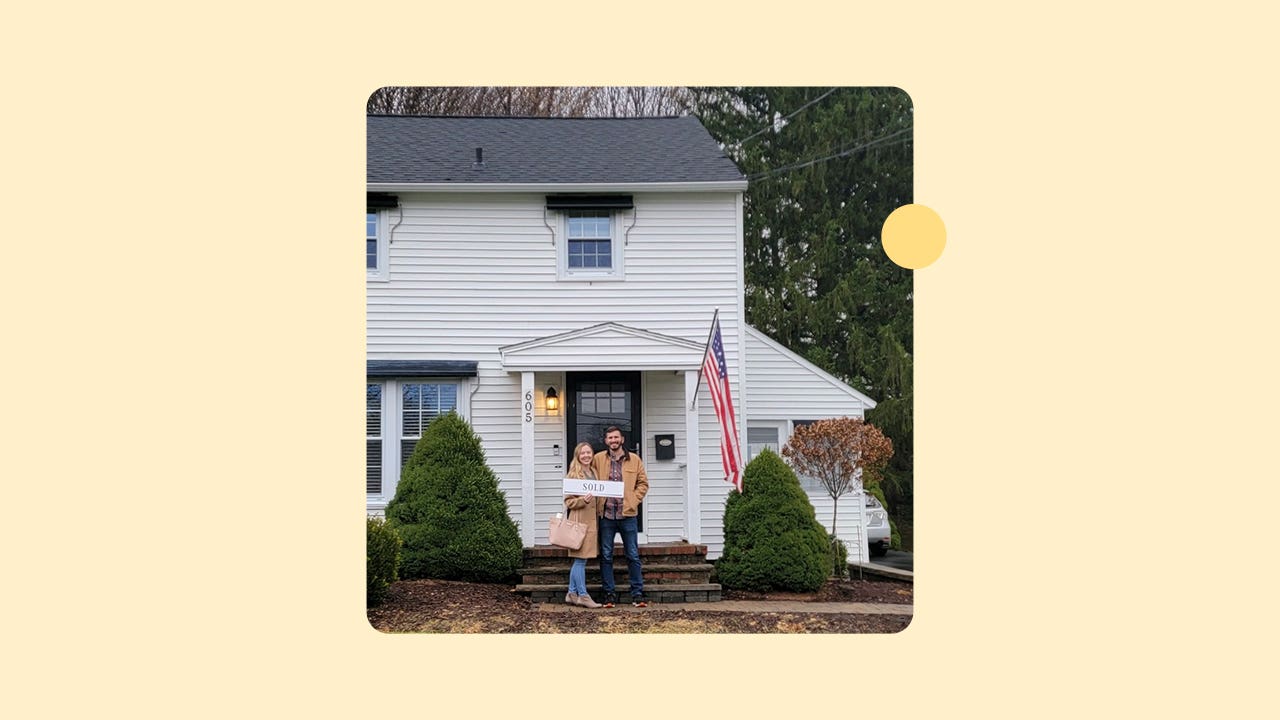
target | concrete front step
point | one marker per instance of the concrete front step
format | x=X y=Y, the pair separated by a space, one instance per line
x=687 y=593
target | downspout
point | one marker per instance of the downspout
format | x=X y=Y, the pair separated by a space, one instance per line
x=627 y=235
x=391 y=235
x=544 y=222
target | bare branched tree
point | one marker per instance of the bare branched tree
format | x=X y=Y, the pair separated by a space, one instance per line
x=608 y=101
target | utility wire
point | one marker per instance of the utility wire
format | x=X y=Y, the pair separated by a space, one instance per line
x=770 y=126
x=842 y=153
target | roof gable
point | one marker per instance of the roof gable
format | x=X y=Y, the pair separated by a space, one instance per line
x=414 y=149
x=827 y=377
x=608 y=346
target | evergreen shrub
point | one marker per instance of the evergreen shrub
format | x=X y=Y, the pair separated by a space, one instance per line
x=772 y=539
x=382 y=559
x=449 y=511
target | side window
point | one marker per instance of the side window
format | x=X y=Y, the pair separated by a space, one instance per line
x=759 y=438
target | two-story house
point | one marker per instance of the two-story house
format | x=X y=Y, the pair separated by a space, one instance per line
x=547 y=278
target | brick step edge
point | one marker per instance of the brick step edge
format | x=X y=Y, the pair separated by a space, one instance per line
x=551 y=551
x=619 y=557
x=593 y=564
x=655 y=594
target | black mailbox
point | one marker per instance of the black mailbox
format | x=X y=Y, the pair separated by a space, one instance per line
x=664 y=447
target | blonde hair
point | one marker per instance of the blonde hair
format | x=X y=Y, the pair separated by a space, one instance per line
x=576 y=470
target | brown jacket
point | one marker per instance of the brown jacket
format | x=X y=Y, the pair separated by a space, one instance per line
x=582 y=511
x=635 y=484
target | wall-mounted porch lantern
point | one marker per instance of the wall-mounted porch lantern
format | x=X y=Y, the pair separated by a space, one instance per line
x=553 y=401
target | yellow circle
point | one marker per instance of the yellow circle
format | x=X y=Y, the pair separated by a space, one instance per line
x=913 y=236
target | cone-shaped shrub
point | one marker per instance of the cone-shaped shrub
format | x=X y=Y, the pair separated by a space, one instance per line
x=449 y=511
x=772 y=540
x=382 y=557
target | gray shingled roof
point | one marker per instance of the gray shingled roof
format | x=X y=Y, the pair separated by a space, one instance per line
x=419 y=149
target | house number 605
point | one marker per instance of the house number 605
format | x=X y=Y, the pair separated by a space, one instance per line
x=528 y=406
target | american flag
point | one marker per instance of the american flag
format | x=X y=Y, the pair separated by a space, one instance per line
x=717 y=374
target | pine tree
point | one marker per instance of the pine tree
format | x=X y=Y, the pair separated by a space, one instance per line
x=825 y=167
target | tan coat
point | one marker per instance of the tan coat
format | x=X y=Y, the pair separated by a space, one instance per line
x=635 y=483
x=582 y=511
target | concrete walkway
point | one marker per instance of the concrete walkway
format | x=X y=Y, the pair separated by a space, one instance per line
x=751 y=606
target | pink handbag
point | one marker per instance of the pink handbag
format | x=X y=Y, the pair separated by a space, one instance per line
x=567 y=533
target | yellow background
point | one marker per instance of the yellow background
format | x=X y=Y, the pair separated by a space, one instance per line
x=1095 y=360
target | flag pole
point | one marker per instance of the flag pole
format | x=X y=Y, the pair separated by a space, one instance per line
x=710 y=331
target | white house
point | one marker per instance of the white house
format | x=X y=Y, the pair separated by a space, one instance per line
x=513 y=259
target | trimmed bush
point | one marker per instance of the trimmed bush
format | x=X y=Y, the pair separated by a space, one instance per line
x=449 y=511
x=382 y=558
x=772 y=540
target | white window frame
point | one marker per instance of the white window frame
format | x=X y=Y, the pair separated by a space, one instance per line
x=380 y=272
x=392 y=401
x=780 y=428
x=615 y=273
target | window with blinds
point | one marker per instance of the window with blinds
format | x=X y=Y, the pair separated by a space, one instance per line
x=373 y=437
x=420 y=404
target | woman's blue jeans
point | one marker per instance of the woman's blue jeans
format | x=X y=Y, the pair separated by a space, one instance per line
x=578 y=577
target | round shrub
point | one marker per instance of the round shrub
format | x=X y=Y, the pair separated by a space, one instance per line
x=772 y=540
x=449 y=511
x=382 y=558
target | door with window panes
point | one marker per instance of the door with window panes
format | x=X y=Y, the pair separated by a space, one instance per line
x=598 y=400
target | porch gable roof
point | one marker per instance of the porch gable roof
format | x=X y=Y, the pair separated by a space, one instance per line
x=607 y=346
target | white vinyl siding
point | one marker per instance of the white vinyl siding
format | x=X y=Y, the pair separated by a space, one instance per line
x=663 y=397
x=784 y=386
x=474 y=273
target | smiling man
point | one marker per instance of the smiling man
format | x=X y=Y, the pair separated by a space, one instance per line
x=619 y=515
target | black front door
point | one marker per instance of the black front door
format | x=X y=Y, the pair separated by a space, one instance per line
x=598 y=400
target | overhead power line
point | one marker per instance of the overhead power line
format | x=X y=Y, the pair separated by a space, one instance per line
x=783 y=119
x=842 y=153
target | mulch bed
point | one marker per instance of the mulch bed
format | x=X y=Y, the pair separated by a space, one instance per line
x=443 y=606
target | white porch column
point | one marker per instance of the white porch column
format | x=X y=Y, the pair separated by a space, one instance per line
x=526 y=459
x=693 y=464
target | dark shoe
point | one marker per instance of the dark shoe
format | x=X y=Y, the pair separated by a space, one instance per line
x=610 y=599
x=640 y=600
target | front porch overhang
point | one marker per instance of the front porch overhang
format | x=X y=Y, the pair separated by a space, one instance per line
x=603 y=347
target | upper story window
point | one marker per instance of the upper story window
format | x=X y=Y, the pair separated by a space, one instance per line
x=376 y=235
x=375 y=244
x=591 y=238
x=592 y=247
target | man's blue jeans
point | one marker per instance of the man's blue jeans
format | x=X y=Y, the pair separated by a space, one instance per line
x=630 y=547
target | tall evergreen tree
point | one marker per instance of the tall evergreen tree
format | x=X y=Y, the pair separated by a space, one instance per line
x=826 y=166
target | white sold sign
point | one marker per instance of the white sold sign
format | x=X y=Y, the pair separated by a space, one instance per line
x=599 y=488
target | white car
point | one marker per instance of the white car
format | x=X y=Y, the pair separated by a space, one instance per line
x=878 y=533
